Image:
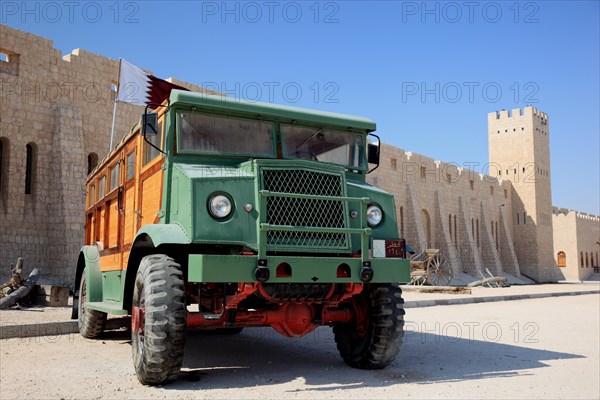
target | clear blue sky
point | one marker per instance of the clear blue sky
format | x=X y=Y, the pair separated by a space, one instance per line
x=372 y=59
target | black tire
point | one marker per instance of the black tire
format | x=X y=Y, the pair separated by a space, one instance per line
x=90 y=322
x=375 y=344
x=158 y=345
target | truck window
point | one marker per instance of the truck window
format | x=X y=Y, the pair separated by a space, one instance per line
x=101 y=185
x=209 y=133
x=114 y=177
x=130 y=165
x=92 y=195
x=327 y=145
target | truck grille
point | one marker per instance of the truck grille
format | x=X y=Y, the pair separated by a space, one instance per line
x=305 y=212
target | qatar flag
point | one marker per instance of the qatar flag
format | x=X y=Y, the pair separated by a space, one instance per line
x=138 y=87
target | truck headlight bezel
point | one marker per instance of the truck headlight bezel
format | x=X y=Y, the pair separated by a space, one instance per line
x=374 y=215
x=220 y=206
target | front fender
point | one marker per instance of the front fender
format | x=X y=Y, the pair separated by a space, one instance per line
x=92 y=273
x=162 y=234
x=148 y=238
x=88 y=263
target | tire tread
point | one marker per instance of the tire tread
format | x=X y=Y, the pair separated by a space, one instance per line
x=164 y=336
x=384 y=334
x=91 y=323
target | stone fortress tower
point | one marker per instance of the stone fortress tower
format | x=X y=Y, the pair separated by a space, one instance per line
x=519 y=151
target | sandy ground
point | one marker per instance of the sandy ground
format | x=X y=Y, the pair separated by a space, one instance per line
x=504 y=291
x=542 y=348
x=32 y=315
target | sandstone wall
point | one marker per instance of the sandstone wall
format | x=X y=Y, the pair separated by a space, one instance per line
x=577 y=234
x=61 y=107
x=460 y=211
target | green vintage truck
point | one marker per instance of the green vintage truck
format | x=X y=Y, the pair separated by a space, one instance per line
x=220 y=214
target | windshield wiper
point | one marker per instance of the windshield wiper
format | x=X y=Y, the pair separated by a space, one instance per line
x=310 y=138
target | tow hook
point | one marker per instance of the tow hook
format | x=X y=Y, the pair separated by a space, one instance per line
x=262 y=273
x=366 y=272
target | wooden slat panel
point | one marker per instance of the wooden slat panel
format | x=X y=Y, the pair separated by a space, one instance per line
x=125 y=256
x=113 y=224
x=130 y=216
x=111 y=262
x=89 y=229
x=151 y=197
x=101 y=227
x=95 y=222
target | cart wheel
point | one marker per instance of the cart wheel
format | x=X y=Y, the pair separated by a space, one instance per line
x=419 y=280
x=439 y=272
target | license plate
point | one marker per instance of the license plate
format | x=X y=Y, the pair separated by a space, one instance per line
x=388 y=248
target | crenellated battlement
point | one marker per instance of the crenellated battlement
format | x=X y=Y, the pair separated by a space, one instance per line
x=560 y=210
x=517 y=113
x=588 y=217
x=578 y=214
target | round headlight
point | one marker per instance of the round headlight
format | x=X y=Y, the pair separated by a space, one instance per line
x=220 y=206
x=374 y=215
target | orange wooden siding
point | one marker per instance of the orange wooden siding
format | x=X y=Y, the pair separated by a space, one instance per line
x=101 y=227
x=151 y=197
x=110 y=262
x=113 y=224
x=125 y=259
x=139 y=188
x=130 y=216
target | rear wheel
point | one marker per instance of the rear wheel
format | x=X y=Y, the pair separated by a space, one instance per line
x=90 y=322
x=373 y=341
x=158 y=320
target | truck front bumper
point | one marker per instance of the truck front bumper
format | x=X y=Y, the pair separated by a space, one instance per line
x=313 y=269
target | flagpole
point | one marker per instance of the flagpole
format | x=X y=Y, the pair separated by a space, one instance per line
x=112 y=131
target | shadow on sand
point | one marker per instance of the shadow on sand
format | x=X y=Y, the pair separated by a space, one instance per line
x=259 y=357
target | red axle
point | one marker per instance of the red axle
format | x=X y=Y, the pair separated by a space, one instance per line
x=290 y=319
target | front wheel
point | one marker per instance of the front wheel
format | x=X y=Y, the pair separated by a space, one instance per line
x=158 y=320
x=90 y=322
x=373 y=340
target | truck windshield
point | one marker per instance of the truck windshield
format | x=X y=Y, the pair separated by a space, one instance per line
x=337 y=147
x=209 y=133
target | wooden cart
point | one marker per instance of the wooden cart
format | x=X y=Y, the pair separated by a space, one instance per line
x=430 y=266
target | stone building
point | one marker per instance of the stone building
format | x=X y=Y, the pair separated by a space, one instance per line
x=501 y=221
x=576 y=243
x=441 y=205
x=55 y=122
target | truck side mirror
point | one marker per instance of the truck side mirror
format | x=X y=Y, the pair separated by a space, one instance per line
x=373 y=153
x=149 y=124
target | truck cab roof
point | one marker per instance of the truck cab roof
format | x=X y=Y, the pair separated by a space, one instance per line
x=269 y=111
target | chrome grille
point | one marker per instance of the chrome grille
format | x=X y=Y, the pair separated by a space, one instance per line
x=305 y=212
